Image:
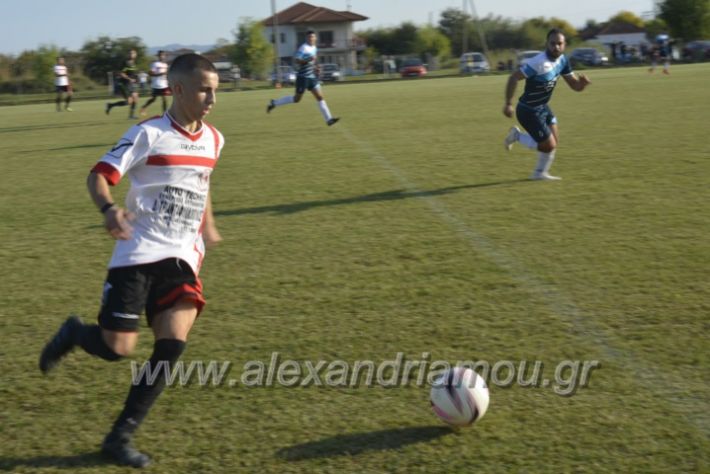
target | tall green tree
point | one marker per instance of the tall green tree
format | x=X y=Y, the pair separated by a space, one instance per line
x=105 y=54
x=457 y=25
x=687 y=19
x=252 y=52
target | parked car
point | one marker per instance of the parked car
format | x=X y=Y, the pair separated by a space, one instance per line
x=412 y=68
x=330 y=72
x=525 y=55
x=285 y=74
x=473 y=63
x=588 y=57
x=697 y=51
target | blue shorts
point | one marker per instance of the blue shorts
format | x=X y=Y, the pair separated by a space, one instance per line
x=536 y=120
x=306 y=83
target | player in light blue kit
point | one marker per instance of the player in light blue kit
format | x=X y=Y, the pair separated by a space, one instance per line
x=306 y=60
x=540 y=73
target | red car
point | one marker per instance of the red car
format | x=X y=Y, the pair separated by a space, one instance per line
x=412 y=68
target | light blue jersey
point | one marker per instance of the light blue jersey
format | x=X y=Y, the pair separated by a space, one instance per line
x=541 y=74
x=307 y=53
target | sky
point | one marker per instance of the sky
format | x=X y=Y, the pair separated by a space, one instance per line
x=28 y=24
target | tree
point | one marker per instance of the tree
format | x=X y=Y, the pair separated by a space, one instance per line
x=654 y=28
x=43 y=63
x=430 y=41
x=627 y=17
x=456 y=24
x=252 y=52
x=687 y=19
x=106 y=54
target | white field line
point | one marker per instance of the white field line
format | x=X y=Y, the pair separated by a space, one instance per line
x=665 y=385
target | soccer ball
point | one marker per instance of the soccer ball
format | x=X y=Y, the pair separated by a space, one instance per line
x=459 y=396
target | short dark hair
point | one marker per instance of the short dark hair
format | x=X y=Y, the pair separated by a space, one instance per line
x=554 y=31
x=188 y=63
x=310 y=32
x=160 y=52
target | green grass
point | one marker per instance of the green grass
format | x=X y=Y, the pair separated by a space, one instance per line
x=404 y=228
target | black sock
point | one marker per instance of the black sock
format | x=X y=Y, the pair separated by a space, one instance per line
x=66 y=104
x=59 y=101
x=120 y=103
x=91 y=340
x=133 y=108
x=165 y=105
x=148 y=102
x=143 y=394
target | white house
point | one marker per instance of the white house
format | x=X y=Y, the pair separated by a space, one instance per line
x=630 y=35
x=334 y=29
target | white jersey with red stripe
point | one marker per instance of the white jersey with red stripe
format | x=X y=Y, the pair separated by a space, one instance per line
x=159 y=81
x=169 y=169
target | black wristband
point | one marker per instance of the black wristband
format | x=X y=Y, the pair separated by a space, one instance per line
x=106 y=207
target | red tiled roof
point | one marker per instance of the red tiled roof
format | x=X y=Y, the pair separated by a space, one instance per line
x=302 y=12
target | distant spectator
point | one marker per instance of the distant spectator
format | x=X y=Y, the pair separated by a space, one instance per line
x=236 y=75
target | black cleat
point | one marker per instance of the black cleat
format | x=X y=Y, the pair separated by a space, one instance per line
x=119 y=448
x=61 y=344
x=270 y=107
x=333 y=121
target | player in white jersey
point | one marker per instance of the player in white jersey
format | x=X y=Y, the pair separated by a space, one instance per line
x=62 y=85
x=540 y=73
x=161 y=236
x=306 y=79
x=158 y=83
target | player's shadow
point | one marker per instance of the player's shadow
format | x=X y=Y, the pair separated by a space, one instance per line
x=356 y=443
x=394 y=195
x=92 y=459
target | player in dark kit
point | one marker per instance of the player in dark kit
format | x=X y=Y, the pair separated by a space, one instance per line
x=160 y=244
x=540 y=74
x=128 y=85
x=306 y=79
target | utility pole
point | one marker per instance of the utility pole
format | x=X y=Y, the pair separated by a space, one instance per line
x=464 y=26
x=277 y=57
x=479 y=27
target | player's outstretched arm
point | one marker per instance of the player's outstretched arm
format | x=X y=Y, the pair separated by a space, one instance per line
x=116 y=219
x=510 y=92
x=577 y=82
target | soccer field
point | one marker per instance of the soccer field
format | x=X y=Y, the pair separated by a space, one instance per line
x=404 y=229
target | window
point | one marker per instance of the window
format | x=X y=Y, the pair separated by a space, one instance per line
x=325 y=39
x=301 y=37
x=283 y=37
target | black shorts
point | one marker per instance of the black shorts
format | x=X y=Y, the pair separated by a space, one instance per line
x=536 y=120
x=160 y=92
x=306 y=83
x=154 y=287
x=63 y=89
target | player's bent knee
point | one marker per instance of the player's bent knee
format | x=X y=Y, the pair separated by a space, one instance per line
x=548 y=146
x=122 y=343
